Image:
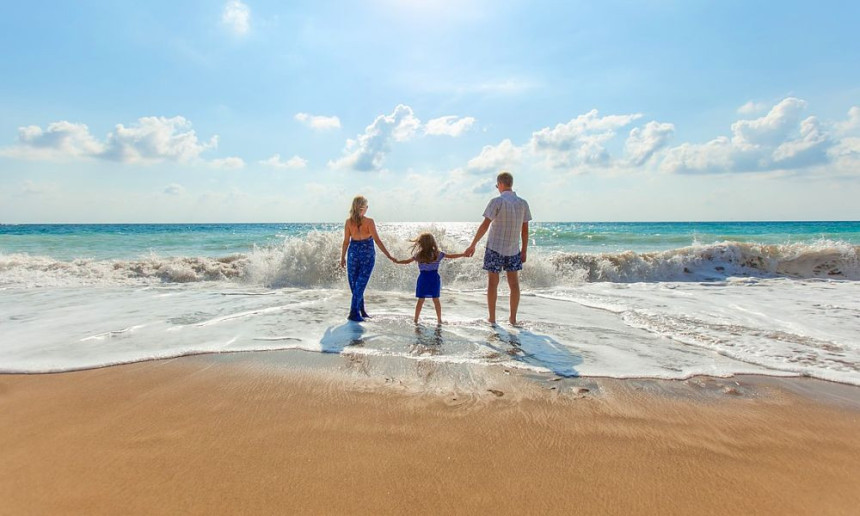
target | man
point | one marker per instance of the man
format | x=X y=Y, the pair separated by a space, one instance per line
x=507 y=217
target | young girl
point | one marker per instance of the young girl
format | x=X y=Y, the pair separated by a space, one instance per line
x=429 y=283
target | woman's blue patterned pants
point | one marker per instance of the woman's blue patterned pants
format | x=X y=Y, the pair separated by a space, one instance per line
x=359 y=266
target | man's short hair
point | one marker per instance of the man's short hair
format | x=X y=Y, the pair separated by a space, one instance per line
x=506 y=179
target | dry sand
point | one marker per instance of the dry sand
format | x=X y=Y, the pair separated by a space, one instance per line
x=212 y=435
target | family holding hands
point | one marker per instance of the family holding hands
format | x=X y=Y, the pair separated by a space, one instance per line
x=507 y=219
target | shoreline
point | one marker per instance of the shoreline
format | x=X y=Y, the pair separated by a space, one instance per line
x=257 y=432
x=312 y=363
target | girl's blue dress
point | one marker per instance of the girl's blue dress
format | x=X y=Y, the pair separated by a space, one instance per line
x=429 y=283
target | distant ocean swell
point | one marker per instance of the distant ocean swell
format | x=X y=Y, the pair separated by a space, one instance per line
x=312 y=262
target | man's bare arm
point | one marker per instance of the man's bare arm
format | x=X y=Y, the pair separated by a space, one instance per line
x=482 y=230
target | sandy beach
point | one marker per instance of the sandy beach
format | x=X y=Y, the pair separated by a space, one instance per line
x=242 y=434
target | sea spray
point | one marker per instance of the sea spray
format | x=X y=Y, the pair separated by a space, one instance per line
x=823 y=259
x=313 y=261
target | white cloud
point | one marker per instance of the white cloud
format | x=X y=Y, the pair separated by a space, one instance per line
x=845 y=153
x=295 y=162
x=368 y=150
x=236 y=16
x=174 y=189
x=845 y=158
x=644 y=142
x=752 y=108
x=319 y=123
x=155 y=139
x=780 y=140
x=495 y=158
x=229 y=163
x=150 y=140
x=809 y=149
x=847 y=147
x=579 y=142
x=712 y=157
x=852 y=124
x=61 y=140
x=449 y=125
x=772 y=128
x=404 y=123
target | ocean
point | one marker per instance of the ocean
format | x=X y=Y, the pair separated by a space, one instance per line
x=620 y=300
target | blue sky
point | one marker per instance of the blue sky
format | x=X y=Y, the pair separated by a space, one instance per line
x=265 y=111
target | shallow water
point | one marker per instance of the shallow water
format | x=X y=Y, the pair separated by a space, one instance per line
x=717 y=309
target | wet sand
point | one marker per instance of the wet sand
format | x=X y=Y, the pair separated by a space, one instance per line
x=248 y=434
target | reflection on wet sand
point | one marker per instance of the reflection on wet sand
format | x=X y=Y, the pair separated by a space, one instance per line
x=535 y=349
x=428 y=342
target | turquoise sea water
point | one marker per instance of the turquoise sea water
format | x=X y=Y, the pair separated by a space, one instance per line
x=127 y=241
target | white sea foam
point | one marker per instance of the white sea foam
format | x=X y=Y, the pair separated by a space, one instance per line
x=676 y=330
x=312 y=262
x=822 y=259
x=717 y=309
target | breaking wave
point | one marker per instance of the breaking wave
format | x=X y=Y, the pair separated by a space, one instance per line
x=822 y=259
x=312 y=262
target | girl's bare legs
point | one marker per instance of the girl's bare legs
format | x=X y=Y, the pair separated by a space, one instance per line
x=438 y=306
x=418 y=306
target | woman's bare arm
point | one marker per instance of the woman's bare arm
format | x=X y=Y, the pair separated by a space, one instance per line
x=345 y=244
x=376 y=238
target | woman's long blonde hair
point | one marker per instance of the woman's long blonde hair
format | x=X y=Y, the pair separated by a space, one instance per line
x=427 y=249
x=358 y=203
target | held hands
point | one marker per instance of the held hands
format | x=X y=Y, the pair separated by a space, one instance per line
x=469 y=252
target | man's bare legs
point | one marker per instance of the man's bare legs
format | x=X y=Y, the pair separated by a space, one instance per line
x=492 y=294
x=514 y=284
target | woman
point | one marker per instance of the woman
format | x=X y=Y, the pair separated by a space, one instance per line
x=359 y=234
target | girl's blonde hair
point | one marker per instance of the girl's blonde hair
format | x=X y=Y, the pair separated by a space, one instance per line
x=426 y=246
x=358 y=203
